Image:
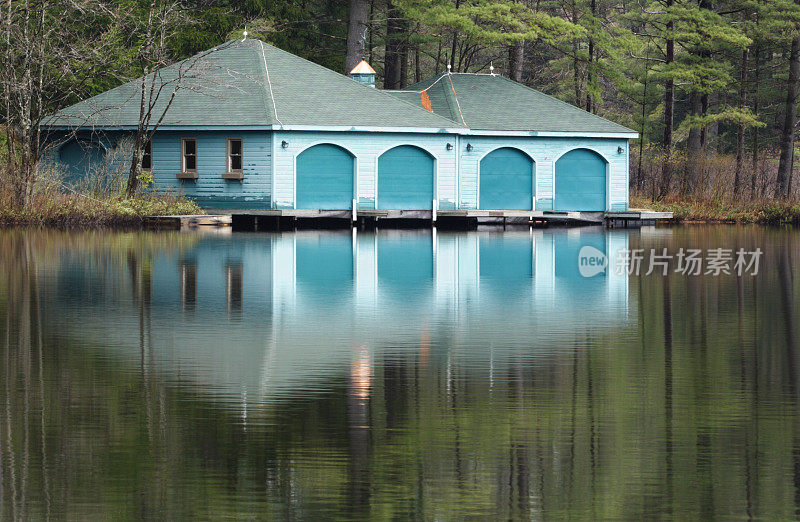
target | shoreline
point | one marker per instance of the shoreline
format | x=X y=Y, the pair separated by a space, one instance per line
x=699 y=211
x=75 y=211
x=81 y=211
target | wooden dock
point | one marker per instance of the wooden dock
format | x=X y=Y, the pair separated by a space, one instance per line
x=187 y=222
x=255 y=220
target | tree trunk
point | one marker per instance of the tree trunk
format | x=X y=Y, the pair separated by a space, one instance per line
x=791 y=172
x=641 y=134
x=391 y=68
x=756 y=78
x=706 y=131
x=591 y=75
x=737 y=177
x=517 y=55
x=669 y=107
x=454 y=43
x=136 y=165
x=356 y=34
x=370 y=46
x=403 y=55
x=694 y=146
x=790 y=116
x=417 y=69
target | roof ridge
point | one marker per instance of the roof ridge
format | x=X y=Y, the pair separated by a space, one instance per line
x=420 y=108
x=269 y=85
x=342 y=77
x=432 y=79
x=438 y=79
x=455 y=97
x=563 y=102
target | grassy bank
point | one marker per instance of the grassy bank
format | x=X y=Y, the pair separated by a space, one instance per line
x=700 y=210
x=78 y=210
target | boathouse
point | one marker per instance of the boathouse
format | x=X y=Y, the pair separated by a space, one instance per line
x=253 y=127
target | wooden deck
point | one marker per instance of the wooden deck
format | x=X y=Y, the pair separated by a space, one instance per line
x=468 y=218
x=187 y=222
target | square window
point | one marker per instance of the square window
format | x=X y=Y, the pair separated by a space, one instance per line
x=234 y=154
x=189 y=154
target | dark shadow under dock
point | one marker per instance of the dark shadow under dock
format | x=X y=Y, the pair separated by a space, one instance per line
x=290 y=219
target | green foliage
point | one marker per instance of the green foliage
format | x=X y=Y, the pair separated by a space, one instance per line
x=702 y=210
x=146 y=180
x=607 y=56
x=490 y=21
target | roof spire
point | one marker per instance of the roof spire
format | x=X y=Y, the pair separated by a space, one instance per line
x=491 y=68
x=363 y=73
x=245 y=34
x=449 y=66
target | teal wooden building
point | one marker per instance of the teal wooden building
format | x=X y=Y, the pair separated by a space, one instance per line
x=255 y=127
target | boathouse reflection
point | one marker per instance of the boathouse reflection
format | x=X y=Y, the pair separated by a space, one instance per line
x=268 y=310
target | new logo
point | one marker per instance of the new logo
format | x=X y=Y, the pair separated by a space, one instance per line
x=591 y=261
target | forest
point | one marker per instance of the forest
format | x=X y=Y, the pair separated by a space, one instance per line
x=710 y=85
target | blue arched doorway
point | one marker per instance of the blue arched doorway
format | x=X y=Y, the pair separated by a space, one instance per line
x=325 y=176
x=580 y=182
x=506 y=180
x=405 y=179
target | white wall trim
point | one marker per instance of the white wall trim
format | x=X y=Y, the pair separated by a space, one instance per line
x=558 y=157
x=356 y=128
x=549 y=134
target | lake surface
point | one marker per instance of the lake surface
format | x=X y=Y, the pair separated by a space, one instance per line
x=395 y=374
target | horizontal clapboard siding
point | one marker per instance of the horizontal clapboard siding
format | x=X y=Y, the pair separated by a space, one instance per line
x=262 y=149
x=210 y=190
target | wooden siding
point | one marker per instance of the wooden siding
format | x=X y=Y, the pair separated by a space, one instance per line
x=262 y=150
x=545 y=152
x=210 y=190
x=366 y=147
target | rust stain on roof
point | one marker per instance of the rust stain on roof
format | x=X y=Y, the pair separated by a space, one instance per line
x=426 y=101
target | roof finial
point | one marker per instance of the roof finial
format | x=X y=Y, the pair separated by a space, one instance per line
x=245 y=33
x=491 y=68
x=449 y=66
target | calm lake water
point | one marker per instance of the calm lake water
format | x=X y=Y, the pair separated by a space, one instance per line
x=395 y=374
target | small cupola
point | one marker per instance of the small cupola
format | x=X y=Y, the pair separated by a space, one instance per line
x=364 y=74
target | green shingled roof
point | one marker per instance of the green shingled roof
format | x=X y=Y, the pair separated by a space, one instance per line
x=491 y=102
x=250 y=83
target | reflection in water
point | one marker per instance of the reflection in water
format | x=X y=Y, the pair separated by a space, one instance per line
x=393 y=374
x=188 y=277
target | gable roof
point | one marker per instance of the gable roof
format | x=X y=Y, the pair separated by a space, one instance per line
x=250 y=83
x=492 y=102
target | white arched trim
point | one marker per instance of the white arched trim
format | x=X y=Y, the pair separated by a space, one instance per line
x=423 y=149
x=324 y=143
x=555 y=160
x=523 y=151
